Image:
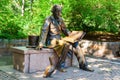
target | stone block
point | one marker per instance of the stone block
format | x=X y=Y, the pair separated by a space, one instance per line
x=29 y=60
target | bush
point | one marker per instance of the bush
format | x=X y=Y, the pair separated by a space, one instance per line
x=89 y=15
x=97 y=15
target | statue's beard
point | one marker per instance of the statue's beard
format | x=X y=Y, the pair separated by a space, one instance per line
x=56 y=16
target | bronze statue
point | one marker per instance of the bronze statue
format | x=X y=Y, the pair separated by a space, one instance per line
x=51 y=37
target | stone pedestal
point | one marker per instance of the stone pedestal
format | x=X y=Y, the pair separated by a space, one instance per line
x=29 y=60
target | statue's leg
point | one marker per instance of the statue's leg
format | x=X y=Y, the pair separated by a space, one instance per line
x=50 y=69
x=60 y=54
x=61 y=60
x=81 y=58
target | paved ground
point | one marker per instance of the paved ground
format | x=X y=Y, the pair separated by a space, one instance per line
x=104 y=70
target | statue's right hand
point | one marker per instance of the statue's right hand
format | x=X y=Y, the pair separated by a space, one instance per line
x=39 y=47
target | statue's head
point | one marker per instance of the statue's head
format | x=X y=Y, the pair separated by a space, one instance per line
x=56 y=10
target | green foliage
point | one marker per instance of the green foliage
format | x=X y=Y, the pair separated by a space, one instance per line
x=93 y=15
x=15 y=24
x=9 y=28
x=97 y=15
x=11 y=31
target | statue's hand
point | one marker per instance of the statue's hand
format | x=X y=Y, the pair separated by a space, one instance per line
x=39 y=47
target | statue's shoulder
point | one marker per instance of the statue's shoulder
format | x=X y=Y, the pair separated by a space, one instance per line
x=48 y=19
x=61 y=19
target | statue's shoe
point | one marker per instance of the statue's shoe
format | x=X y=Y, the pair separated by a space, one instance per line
x=87 y=69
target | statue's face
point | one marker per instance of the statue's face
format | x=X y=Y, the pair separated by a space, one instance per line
x=56 y=10
x=57 y=14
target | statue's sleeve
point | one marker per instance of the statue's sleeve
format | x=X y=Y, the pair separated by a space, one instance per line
x=64 y=29
x=44 y=32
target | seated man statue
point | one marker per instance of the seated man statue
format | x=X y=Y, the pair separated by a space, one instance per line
x=51 y=37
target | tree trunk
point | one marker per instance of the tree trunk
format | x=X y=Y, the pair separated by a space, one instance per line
x=23 y=7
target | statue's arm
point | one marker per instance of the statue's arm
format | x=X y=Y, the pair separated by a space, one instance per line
x=64 y=29
x=44 y=32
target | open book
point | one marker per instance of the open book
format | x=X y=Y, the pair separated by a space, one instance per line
x=74 y=36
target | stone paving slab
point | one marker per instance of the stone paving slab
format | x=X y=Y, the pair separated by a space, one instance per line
x=104 y=70
x=6 y=76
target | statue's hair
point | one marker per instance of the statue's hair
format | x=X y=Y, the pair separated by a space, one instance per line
x=56 y=8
